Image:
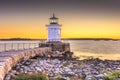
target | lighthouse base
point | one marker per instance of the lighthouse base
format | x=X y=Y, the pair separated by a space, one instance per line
x=59 y=50
x=56 y=46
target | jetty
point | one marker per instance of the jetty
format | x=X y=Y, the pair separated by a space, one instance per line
x=11 y=58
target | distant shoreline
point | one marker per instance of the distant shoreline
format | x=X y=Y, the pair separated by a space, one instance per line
x=90 y=39
x=26 y=39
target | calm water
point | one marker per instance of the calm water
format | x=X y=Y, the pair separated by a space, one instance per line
x=81 y=48
x=97 y=49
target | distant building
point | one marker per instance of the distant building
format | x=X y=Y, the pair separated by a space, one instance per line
x=54 y=30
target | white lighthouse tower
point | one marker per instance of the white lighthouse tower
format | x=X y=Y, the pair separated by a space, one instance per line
x=54 y=30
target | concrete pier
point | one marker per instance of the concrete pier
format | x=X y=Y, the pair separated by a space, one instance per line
x=11 y=58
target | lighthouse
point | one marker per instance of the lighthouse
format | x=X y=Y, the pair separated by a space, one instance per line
x=54 y=37
x=54 y=30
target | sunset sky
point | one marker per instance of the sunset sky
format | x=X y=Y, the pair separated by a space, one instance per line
x=79 y=18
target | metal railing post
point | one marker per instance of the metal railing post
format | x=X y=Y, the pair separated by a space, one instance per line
x=34 y=45
x=17 y=46
x=11 y=46
x=4 y=46
x=29 y=45
x=23 y=46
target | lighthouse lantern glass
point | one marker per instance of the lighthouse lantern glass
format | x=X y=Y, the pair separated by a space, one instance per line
x=53 y=21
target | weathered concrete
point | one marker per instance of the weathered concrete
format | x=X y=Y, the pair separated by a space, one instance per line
x=10 y=59
x=57 y=46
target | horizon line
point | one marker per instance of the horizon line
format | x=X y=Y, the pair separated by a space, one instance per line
x=61 y=38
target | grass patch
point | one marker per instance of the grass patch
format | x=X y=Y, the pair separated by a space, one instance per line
x=112 y=76
x=34 y=76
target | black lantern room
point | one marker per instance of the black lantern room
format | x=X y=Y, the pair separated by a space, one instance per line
x=53 y=19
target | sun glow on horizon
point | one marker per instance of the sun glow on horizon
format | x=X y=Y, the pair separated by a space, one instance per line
x=72 y=27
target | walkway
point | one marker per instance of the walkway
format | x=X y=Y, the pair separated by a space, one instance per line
x=11 y=58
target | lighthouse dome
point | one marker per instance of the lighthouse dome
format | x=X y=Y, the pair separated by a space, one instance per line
x=53 y=19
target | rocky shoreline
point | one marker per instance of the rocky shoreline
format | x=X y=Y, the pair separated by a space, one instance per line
x=87 y=69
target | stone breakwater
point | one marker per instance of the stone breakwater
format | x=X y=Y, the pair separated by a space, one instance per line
x=11 y=58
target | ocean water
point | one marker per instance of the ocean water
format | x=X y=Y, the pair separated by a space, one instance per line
x=81 y=48
x=97 y=49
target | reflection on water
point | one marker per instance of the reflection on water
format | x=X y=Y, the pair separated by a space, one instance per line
x=97 y=49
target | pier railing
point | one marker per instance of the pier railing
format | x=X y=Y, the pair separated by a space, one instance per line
x=17 y=46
